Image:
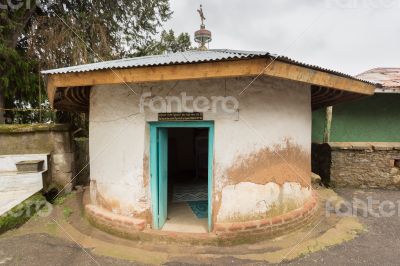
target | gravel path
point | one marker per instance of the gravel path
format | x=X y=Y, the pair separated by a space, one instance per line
x=379 y=246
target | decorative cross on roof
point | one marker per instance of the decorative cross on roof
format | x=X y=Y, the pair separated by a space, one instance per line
x=202 y=17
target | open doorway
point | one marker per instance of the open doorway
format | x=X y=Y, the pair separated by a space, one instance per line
x=187 y=180
x=181 y=174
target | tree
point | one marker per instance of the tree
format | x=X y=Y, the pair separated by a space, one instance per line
x=61 y=33
x=18 y=74
x=71 y=32
x=19 y=83
x=168 y=42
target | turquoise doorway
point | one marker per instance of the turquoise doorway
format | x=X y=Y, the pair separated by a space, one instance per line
x=181 y=156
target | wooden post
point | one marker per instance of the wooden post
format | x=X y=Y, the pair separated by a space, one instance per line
x=328 y=124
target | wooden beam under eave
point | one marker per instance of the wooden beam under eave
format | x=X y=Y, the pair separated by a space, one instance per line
x=315 y=77
x=51 y=90
x=222 y=69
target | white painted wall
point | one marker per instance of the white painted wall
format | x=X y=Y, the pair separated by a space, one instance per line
x=116 y=147
x=254 y=201
x=270 y=112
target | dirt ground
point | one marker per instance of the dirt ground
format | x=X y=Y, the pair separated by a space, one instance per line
x=42 y=243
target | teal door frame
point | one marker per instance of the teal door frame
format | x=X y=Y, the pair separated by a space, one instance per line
x=162 y=175
x=154 y=165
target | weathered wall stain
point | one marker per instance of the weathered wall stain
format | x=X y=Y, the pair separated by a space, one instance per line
x=106 y=202
x=99 y=198
x=249 y=201
x=146 y=168
x=216 y=205
x=279 y=164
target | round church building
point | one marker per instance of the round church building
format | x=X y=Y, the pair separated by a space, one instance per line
x=210 y=142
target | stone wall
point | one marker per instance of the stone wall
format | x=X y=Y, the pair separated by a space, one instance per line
x=51 y=139
x=356 y=164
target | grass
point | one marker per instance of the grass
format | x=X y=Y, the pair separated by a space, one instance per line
x=60 y=200
x=11 y=128
x=21 y=213
x=67 y=212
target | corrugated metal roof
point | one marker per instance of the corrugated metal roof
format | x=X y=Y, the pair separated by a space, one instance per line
x=389 y=78
x=187 y=57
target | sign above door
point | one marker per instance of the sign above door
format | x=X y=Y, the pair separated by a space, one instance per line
x=177 y=116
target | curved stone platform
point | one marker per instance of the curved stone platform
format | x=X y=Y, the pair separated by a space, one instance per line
x=223 y=233
x=273 y=226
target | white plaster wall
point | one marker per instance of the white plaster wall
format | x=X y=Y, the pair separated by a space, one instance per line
x=254 y=201
x=270 y=112
x=116 y=147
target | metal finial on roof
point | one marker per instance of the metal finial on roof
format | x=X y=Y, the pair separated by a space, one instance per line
x=202 y=17
x=202 y=36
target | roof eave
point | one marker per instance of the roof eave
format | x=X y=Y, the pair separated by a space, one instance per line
x=206 y=70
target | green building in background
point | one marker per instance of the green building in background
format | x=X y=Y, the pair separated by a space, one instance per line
x=371 y=119
x=357 y=143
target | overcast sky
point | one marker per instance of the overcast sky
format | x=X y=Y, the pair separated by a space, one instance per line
x=350 y=36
